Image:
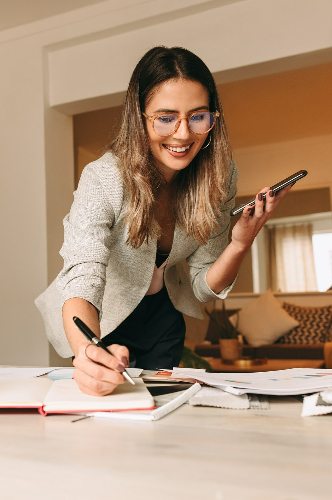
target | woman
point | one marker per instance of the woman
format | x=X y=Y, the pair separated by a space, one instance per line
x=161 y=194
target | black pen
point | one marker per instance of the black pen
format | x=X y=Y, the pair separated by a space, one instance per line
x=95 y=340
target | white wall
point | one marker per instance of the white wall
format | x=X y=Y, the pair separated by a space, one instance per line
x=228 y=37
x=78 y=61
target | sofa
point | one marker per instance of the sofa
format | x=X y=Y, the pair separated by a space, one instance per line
x=275 y=326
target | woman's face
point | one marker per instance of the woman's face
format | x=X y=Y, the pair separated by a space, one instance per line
x=182 y=97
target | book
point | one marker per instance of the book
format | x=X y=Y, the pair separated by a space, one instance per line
x=64 y=396
x=166 y=376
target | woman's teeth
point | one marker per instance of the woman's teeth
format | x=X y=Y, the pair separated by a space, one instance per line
x=177 y=150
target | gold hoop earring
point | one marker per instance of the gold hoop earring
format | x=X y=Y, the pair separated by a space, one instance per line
x=208 y=144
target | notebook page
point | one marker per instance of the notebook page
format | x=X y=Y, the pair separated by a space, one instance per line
x=66 y=396
x=24 y=393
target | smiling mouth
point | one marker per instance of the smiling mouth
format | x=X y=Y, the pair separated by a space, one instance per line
x=177 y=149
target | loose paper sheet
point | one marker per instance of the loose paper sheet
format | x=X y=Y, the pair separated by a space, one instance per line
x=277 y=382
x=13 y=373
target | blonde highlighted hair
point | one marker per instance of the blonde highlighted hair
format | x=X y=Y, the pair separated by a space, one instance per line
x=200 y=187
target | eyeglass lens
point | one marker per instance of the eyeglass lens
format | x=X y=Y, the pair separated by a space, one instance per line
x=199 y=123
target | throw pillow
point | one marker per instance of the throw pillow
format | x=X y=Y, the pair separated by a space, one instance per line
x=263 y=321
x=314 y=324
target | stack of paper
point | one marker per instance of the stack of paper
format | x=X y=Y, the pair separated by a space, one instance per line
x=278 y=382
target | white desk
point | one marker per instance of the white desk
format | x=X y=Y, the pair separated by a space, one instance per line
x=193 y=453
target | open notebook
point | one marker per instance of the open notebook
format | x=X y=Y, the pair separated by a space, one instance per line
x=64 y=396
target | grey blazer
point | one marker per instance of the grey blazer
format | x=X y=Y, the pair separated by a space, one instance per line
x=101 y=268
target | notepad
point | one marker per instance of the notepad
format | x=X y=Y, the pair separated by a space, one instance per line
x=156 y=414
x=64 y=396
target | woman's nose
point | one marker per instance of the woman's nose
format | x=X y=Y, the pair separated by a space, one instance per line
x=183 y=132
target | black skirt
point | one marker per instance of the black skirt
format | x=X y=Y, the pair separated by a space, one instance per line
x=153 y=333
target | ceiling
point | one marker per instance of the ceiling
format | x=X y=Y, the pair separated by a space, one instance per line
x=17 y=12
x=265 y=109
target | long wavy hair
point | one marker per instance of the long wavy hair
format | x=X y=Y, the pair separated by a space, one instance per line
x=200 y=187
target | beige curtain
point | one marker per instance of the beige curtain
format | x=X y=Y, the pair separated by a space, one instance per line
x=292 y=267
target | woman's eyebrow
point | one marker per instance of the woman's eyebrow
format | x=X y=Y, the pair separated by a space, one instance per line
x=165 y=110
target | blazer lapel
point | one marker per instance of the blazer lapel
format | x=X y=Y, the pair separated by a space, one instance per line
x=182 y=246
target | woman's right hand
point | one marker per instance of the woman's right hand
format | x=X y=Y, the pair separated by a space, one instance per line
x=97 y=372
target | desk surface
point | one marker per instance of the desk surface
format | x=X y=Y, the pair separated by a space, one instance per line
x=194 y=453
x=271 y=364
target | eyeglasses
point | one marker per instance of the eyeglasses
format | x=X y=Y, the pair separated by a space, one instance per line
x=199 y=122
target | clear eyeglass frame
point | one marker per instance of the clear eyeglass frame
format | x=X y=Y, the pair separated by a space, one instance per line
x=152 y=118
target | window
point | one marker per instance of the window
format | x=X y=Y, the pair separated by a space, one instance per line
x=322 y=245
x=321 y=249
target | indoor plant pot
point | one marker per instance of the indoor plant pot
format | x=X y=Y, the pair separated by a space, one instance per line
x=229 y=349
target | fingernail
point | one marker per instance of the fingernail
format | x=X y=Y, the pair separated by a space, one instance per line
x=260 y=196
x=271 y=193
x=120 y=368
x=125 y=360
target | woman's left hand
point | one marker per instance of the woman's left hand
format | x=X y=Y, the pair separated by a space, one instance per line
x=254 y=217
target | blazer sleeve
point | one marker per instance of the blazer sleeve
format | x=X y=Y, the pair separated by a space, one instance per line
x=200 y=261
x=87 y=240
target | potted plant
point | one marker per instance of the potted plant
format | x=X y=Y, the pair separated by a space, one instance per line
x=230 y=349
x=190 y=359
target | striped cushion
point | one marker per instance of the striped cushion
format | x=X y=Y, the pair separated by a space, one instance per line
x=314 y=327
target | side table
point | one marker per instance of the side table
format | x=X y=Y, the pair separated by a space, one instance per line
x=270 y=364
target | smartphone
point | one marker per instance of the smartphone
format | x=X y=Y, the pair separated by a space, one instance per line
x=276 y=188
